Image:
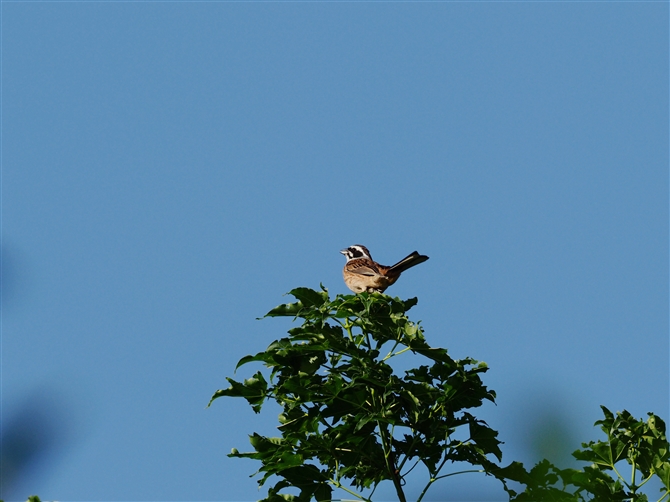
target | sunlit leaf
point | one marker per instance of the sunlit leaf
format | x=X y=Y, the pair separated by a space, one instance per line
x=286 y=310
x=310 y=298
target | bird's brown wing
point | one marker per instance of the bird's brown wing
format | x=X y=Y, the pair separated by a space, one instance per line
x=362 y=268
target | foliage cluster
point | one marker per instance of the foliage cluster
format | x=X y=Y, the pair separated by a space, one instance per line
x=350 y=421
x=642 y=445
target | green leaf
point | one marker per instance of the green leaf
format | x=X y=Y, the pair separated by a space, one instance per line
x=323 y=493
x=286 y=310
x=663 y=472
x=261 y=356
x=254 y=390
x=514 y=472
x=485 y=438
x=310 y=298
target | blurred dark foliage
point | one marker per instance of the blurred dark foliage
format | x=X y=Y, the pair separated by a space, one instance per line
x=32 y=434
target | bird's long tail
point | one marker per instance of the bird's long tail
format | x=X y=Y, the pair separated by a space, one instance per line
x=408 y=262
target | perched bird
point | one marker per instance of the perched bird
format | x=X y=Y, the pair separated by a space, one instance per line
x=362 y=273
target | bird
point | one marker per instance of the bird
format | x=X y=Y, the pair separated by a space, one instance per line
x=362 y=273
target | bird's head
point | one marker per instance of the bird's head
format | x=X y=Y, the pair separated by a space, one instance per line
x=356 y=251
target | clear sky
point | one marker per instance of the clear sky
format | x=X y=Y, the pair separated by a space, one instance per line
x=171 y=169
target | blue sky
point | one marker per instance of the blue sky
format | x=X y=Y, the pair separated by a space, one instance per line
x=171 y=169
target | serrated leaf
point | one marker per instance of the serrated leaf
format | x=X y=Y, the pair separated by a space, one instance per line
x=253 y=389
x=261 y=356
x=514 y=472
x=310 y=298
x=663 y=472
x=323 y=493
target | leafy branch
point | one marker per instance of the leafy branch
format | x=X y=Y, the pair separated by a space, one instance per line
x=348 y=420
x=641 y=444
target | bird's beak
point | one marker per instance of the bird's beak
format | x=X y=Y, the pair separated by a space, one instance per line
x=344 y=251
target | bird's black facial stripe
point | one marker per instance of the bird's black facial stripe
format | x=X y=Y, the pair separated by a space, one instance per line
x=356 y=251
